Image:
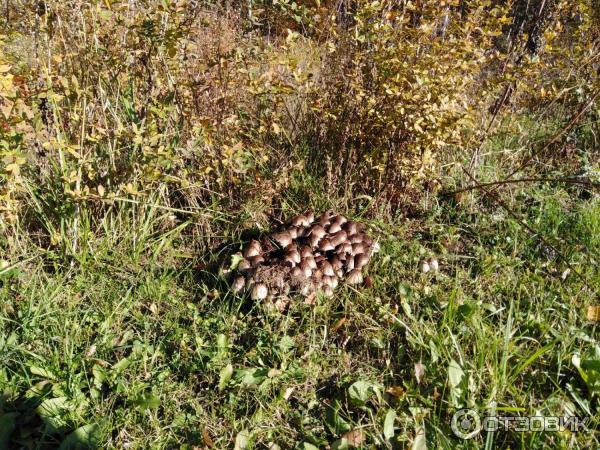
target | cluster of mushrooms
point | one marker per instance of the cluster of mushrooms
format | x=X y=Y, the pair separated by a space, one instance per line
x=306 y=256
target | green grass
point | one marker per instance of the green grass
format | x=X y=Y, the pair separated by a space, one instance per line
x=134 y=338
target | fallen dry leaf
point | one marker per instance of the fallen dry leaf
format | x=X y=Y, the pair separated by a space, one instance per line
x=419 y=372
x=355 y=438
x=593 y=313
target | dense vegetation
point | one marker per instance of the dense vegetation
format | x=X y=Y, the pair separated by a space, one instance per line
x=143 y=141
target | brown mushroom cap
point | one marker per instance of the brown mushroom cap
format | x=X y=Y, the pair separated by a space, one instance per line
x=297 y=272
x=283 y=238
x=244 y=265
x=361 y=260
x=306 y=251
x=256 y=260
x=259 y=291
x=326 y=268
x=325 y=245
x=317 y=230
x=314 y=240
x=338 y=238
x=354 y=277
x=252 y=249
x=334 y=227
x=238 y=284
x=298 y=221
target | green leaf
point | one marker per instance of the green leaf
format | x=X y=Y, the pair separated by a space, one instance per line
x=307 y=446
x=147 y=401
x=340 y=444
x=225 y=376
x=53 y=407
x=361 y=391
x=47 y=374
x=456 y=378
x=242 y=439
x=85 y=437
x=388 y=424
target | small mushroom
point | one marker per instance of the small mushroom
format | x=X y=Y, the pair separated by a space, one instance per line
x=310 y=261
x=325 y=245
x=334 y=227
x=425 y=266
x=361 y=260
x=338 y=238
x=259 y=291
x=294 y=255
x=325 y=218
x=336 y=263
x=433 y=264
x=317 y=230
x=299 y=221
x=256 y=260
x=356 y=238
x=283 y=238
x=327 y=269
x=314 y=240
x=327 y=291
x=244 y=266
x=358 y=248
x=306 y=268
x=297 y=272
x=354 y=277
x=344 y=248
x=238 y=284
x=310 y=218
x=305 y=251
x=293 y=231
x=353 y=227
x=253 y=249
x=349 y=264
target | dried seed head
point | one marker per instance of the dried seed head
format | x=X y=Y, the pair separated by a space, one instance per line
x=259 y=291
x=354 y=277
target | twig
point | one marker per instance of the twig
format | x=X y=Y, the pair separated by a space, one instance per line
x=527 y=180
x=557 y=136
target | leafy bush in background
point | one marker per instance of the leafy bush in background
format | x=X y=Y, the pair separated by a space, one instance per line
x=204 y=103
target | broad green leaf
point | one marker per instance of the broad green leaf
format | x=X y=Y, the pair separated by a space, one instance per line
x=85 y=437
x=242 y=440
x=147 y=401
x=361 y=391
x=225 y=376
x=388 y=424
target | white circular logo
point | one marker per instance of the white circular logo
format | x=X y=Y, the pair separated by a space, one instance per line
x=466 y=423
